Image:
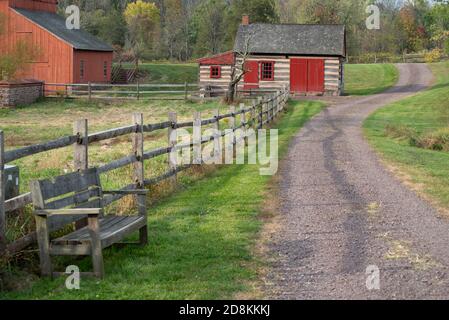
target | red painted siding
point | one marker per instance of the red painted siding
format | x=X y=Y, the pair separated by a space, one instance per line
x=55 y=62
x=93 y=66
x=38 y=5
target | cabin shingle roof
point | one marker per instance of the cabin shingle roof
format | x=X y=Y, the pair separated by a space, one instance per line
x=290 y=39
x=55 y=24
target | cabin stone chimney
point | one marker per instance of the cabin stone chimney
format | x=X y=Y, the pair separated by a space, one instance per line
x=245 y=20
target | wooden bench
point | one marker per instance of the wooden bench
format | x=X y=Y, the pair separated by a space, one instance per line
x=74 y=197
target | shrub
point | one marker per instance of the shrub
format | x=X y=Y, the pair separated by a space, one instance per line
x=433 y=56
x=437 y=140
x=14 y=63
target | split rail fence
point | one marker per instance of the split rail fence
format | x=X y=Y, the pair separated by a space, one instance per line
x=262 y=111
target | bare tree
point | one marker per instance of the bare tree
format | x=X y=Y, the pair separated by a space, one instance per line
x=238 y=70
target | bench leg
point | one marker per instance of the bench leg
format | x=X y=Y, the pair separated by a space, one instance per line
x=97 y=254
x=142 y=207
x=143 y=233
x=44 y=246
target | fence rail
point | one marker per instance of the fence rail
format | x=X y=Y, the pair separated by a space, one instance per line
x=141 y=91
x=262 y=111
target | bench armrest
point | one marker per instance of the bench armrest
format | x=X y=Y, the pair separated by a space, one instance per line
x=127 y=192
x=69 y=212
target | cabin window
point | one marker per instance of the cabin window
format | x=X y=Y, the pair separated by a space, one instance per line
x=105 y=69
x=82 y=69
x=267 y=71
x=215 y=72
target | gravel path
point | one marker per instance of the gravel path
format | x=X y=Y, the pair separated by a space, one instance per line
x=342 y=211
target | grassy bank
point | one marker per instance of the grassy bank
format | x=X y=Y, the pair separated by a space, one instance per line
x=366 y=79
x=171 y=73
x=413 y=135
x=201 y=239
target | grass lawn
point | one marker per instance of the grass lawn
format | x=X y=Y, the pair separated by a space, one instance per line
x=366 y=79
x=413 y=135
x=202 y=238
x=172 y=73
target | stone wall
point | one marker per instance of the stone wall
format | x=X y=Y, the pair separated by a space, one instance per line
x=20 y=93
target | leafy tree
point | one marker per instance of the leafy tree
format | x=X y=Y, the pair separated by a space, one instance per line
x=143 y=20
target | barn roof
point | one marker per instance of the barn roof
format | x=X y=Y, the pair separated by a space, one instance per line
x=289 y=39
x=56 y=25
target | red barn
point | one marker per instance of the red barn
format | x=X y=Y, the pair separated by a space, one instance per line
x=67 y=56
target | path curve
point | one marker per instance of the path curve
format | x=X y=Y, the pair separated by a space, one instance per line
x=342 y=211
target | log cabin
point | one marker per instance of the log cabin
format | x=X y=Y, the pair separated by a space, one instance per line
x=308 y=58
x=65 y=56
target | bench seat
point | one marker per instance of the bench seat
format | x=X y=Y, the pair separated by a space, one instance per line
x=111 y=227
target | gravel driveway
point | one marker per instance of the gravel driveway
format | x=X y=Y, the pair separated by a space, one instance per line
x=342 y=211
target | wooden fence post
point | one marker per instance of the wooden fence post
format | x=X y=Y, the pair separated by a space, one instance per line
x=81 y=147
x=138 y=90
x=217 y=145
x=233 y=125
x=243 y=123
x=172 y=141
x=138 y=140
x=89 y=89
x=81 y=155
x=197 y=136
x=185 y=91
x=278 y=102
x=138 y=171
x=253 y=114
x=2 y=193
x=260 y=104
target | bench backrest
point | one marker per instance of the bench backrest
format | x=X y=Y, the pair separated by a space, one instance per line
x=73 y=190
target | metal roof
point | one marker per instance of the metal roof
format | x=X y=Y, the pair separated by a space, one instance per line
x=290 y=39
x=55 y=24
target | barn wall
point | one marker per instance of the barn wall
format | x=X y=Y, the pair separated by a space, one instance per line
x=38 y=5
x=93 y=66
x=206 y=80
x=55 y=62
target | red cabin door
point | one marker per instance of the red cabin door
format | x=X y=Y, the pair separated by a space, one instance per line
x=251 y=76
x=315 y=81
x=306 y=75
x=298 y=75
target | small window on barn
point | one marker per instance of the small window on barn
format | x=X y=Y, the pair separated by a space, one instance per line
x=267 y=71
x=215 y=72
x=82 y=69
x=105 y=69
